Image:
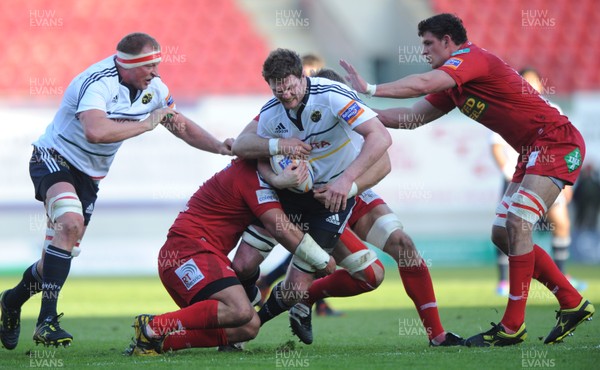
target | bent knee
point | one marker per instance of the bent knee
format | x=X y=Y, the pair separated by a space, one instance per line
x=70 y=224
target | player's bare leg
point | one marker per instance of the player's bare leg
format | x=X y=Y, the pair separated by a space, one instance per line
x=527 y=261
x=414 y=272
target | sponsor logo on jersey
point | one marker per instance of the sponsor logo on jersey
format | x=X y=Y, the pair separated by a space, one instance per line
x=115 y=98
x=170 y=102
x=573 y=160
x=333 y=219
x=315 y=116
x=473 y=107
x=189 y=274
x=461 y=51
x=280 y=129
x=266 y=196
x=453 y=63
x=320 y=144
x=146 y=98
x=351 y=112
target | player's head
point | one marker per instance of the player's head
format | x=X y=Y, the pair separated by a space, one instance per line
x=283 y=72
x=441 y=35
x=329 y=74
x=532 y=76
x=138 y=56
x=311 y=63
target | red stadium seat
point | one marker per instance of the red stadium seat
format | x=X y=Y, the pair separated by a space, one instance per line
x=202 y=41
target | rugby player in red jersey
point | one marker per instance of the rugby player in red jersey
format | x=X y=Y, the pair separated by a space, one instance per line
x=551 y=151
x=194 y=268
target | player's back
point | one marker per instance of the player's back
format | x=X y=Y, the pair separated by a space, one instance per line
x=224 y=205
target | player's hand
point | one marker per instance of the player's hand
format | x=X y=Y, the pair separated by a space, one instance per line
x=354 y=79
x=328 y=270
x=293 y=147
x=334 y=195
x=293 y=175
x=226 y=146
x=161 y=115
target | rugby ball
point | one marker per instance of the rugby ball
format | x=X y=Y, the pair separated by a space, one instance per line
x=279 y=162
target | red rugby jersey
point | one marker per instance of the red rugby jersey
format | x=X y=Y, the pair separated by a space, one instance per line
x=224 y=205
x=494 y=94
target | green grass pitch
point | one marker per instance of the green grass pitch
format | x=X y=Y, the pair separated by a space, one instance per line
x=379 y=330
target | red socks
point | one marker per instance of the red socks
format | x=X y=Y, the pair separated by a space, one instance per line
x=418 y=286
x=547 y=273
x=195 y=339
x=520 y=271
x=338 y=284
x=200 y=315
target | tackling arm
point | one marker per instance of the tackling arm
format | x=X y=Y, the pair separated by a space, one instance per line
x=188 y=131
x=98 y=128
x=421 y=113
x=251 y=146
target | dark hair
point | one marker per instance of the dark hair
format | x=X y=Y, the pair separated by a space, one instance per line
x=135 y=42
x=281 y=63
x=444 y=24
x=329 y=74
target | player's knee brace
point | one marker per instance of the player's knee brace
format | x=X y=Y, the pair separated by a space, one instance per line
x=63 y=203
x=309 y=256
x=501 y=211
x=358 y=261
x=527 y=205
x=382 y=228
x=264 y=244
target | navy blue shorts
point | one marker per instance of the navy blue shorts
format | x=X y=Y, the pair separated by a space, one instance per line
x=48 y=167
x=311 y=216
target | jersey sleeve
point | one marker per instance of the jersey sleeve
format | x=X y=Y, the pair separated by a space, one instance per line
x=259 y=199
x=346 y=105
x=166 y=99
x=94 y=96
x=465 y=67
x=441 y=100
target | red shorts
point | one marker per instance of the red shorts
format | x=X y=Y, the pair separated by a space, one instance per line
x=365 y=202
x=558 y=153
x=192 y=277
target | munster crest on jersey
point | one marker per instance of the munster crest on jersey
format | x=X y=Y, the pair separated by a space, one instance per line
x=315 y=116
x=147 y=98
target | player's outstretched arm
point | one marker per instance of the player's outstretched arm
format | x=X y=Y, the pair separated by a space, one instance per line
x=99 y=129
x=188 y=131
x=421 y=113
x=251 y=146
x=411 y=86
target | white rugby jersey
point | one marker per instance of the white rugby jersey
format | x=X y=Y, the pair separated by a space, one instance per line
x=326 y=120
x=98 y=87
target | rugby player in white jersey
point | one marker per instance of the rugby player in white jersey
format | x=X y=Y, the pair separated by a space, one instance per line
x=373 y=221
x=342 y=138
x=113 y=100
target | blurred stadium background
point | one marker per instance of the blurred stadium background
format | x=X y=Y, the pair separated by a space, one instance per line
x=444 y=185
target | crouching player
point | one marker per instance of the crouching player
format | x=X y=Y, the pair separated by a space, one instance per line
x=194 y=268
